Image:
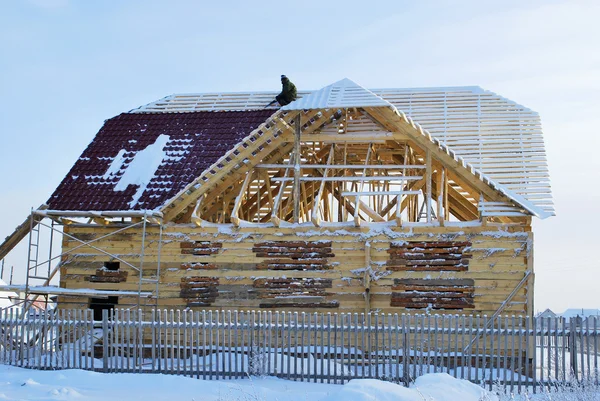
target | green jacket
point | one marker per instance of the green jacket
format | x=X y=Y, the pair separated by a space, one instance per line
x=288 y=92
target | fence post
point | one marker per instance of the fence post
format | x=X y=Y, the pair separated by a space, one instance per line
x=573 y=340
x=405 y=352
x=105 y=340
x=251 y=354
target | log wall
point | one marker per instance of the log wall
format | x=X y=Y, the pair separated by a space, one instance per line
x=304 y=268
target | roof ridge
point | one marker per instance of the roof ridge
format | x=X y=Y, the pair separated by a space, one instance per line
x=344 y=93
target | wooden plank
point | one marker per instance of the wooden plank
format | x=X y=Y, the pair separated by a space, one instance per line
x=18 y=234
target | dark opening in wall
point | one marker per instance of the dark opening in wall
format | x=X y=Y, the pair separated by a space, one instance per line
x=114 y=266
x=97 y=305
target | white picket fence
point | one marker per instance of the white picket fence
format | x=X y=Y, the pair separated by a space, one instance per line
x=515 y=352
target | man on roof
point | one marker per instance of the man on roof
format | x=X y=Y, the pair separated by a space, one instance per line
x=288 y=92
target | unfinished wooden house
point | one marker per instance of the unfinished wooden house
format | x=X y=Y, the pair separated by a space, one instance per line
x=347 y=200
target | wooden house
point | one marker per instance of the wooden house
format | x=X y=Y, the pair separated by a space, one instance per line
x=346 y=200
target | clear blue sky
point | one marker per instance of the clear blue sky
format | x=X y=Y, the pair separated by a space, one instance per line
x=66 y=66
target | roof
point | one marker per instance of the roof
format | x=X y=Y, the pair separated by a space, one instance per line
x=499 y=138
x=340 y=94
x=547 y=312
x=583 y=313
x=192 y=143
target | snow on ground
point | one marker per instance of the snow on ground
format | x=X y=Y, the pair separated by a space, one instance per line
x=24 y=384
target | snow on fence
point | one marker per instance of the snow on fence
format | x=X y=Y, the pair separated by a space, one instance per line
x=516 y=352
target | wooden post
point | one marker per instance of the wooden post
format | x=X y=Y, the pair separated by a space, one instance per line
x=367 y=277
x=428 y=184
x=441 y=192
x=316 y=219
x=481 y=209
x=446 y=208
x=296 y=190
x=362 y=185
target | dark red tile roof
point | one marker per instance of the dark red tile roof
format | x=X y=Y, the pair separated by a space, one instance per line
x=197 y=140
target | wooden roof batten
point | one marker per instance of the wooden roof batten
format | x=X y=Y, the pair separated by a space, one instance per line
x=497 y=136
x=341 y=95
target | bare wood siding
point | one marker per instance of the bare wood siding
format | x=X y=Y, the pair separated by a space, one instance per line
x=497 y=260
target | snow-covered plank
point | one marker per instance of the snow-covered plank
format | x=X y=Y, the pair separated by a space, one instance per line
x=52 y=290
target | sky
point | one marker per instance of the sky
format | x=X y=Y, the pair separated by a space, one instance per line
x=68 y=65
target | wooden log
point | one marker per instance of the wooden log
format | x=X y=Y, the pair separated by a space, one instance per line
x=202 y=292
x=423 y=288
x=439 y=295
x=198 y=266
x=452 y=268
x=310 y=305
x=99 y=279
x=432 y=244
x=311 y=244
x=425 y=305
x=199 y=280
x=408 y=257
x=271 y=249
x=299 y=261
x=200 y=251
x=428 y=262
x=303 y=267
x=425 y=251
x=292 y=282
x=200 y=244
x=303 y=255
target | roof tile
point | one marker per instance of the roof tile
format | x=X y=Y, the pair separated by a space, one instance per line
x=196 y=141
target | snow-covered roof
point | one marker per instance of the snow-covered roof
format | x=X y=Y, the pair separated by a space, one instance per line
x=139 y=161
x=583 y=313
x=496 y=136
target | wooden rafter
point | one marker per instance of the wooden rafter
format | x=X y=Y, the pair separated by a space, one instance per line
x=314 y=202
x=227 y=189
x=251 y=151
x=315 y=211
x=235 y=219
x=390 y=118
x=20 y=232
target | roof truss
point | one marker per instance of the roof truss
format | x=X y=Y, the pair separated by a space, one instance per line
x=350 y=171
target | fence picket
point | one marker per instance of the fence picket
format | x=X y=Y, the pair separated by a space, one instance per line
x=355 y=331
x=314 y=347
x=505 y=364
x=596 y=351
x=520 y=355
x=587 y=348
x=549 y=349
x=405 y=351
x=462 y=346
x=469 y=349
x=456 y=331
x=477 y=347
x=579 y=329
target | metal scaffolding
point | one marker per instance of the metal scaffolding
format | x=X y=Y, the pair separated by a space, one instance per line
x=40 y=272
